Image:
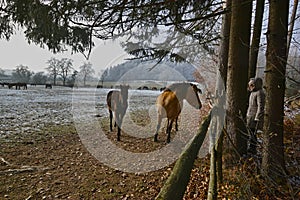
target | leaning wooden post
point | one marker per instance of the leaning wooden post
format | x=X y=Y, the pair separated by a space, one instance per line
x=175 y=186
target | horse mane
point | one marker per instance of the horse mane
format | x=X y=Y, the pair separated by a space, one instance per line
x=178 y=88
x=183 y=84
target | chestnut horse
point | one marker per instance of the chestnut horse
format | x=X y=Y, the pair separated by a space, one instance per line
x=117 y=104
x=170 y=102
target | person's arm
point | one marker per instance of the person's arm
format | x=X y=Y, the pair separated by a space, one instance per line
x=260 y=106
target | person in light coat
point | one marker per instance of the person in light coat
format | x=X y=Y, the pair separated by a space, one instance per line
x=255 y=112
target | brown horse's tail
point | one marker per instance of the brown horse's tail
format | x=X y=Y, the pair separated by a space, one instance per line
x=108 y=99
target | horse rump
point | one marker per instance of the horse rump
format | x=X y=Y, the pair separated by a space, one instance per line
x=117 y=105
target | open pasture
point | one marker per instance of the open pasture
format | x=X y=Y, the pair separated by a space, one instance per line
x=44 y=157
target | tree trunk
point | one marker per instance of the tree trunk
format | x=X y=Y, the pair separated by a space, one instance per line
x=292 y=23
x=54 y=80
x=216 y=133
x=273 y=165
x=254 y=49
x=216 y=173
x=221 y=81
x=224 y=46
x=237 y=77
x=219 y=158
x=213 y=184
x=84 y=80
x=175 y=186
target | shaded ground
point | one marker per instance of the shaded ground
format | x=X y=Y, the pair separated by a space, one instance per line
x=53 y=164
x=57 y=166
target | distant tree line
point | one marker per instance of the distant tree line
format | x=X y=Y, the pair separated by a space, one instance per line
x=150 y=70
x=59 y=71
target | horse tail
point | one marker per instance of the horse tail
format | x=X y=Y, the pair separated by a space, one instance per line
x=108 y=99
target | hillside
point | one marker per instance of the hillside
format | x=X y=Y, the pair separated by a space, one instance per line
x=149 y=70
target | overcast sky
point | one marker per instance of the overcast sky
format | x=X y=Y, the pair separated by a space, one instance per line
x=17 y=51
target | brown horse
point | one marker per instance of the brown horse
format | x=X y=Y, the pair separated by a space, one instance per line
x=117 y=103
x=170 y=103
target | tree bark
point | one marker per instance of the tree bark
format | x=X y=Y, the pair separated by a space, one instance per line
x=224 y=46
x=175 y=186
x=217 y=124
x=273 y=164
x=213 y=184
x=254 y=49
x=237 y=76
x=291 y=28
x=219 y=158
x=221 y=80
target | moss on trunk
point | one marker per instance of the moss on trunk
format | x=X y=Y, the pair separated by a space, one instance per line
x=175 y=186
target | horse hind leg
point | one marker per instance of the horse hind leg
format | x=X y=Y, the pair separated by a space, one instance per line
x=119 y=134
x=169 y=128
x=115 y=124
x=118 y=123
x=176 y=124
x=157 y=128
x=110 y=119
x=119 y=127
x=168 y=124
